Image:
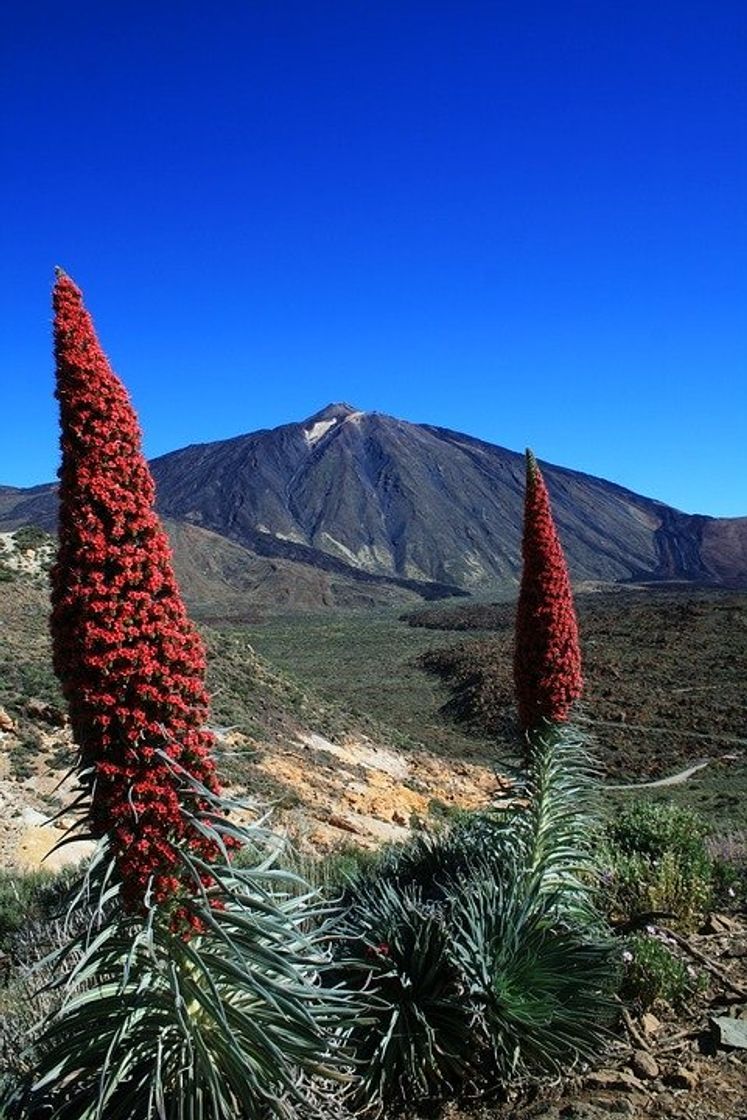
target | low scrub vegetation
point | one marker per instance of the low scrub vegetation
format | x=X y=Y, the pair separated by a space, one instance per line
x=654 y=974
x=461 y=973
x=656 y=862
x=30 y=898
x=664 y=675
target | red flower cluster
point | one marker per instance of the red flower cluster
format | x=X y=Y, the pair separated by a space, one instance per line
x=130 y=663
x=547 y=659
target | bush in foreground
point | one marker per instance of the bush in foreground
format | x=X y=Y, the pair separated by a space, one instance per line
x=654 y=974
x=28 y=898
x=144 y=1022
x=417 y=1039
x=656 y=861
x=479 y=948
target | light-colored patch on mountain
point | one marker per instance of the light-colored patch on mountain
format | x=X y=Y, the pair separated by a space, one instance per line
x=357 y=791
x=295 y=538
x=318 y=430
x=371 y=558
x=221 y=578
x=469 y=571
x=645 y=517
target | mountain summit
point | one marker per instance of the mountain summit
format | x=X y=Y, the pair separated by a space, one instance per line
x=318 y=425
x=371 y=497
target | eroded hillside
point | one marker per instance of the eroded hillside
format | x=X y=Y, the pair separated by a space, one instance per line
x=327 y=778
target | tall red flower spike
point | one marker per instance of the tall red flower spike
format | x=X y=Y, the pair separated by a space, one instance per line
x=547 y=658
x=130 y=662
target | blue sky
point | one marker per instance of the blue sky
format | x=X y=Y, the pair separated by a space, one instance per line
x=521 y=220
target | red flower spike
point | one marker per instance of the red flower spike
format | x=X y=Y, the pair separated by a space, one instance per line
x=547 y=659
x=130 y=662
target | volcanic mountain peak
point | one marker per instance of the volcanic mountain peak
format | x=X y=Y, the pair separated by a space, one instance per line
x=336 y=411
x=333 y=415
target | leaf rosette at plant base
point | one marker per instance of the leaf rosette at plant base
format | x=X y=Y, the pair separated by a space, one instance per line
x=415 y=1042
x=541 y=988
x=232 y=1022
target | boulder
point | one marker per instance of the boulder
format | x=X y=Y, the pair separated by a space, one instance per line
x=618 y=1080
x=730 y=1033
x=644 y=1065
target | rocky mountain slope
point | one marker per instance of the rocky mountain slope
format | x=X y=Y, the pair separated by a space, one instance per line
x=222 y=579
x=364 y=497
x=425 y=503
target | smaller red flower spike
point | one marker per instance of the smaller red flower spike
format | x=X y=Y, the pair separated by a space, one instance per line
x=130 y=662
x=547 y=658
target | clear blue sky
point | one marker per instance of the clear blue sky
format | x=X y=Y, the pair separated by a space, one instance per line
x=521 y=220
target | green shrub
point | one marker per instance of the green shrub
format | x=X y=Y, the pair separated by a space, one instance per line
x=26 y=999
x=672 y=886
x=30 y=897
x=651 y=827
x=31 y=536
x=22 y=757
x=656 y=861
x=339 y=868
x=653 y=974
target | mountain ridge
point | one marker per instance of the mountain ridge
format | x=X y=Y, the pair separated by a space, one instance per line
x=372 y=498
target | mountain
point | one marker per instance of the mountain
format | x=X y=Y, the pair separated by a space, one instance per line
x=422 y=510
x=413 y=501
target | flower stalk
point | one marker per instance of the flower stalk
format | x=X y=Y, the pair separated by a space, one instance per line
x=547 y=658
x=130 y=663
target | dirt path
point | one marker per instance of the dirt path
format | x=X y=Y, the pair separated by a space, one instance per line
x=673 y=779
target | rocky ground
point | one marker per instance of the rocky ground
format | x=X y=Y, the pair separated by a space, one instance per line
x=324 y=793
